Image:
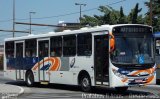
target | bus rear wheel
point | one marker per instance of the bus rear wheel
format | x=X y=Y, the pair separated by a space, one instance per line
x=85 y=83
x=121 y=89
x=29 y=79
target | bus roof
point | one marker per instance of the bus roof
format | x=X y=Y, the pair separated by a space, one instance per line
x=67 y=32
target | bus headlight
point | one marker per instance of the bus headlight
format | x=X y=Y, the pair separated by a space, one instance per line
x=118 y=74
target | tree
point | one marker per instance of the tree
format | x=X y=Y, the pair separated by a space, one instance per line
x=122 y=19
x=155 y=14
x=110 y=16
x=91 y=21
x=133 y=16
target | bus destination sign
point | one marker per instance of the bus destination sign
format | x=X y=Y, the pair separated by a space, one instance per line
x=132 y=29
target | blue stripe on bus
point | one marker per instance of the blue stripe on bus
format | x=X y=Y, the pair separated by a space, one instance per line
x=21 y=63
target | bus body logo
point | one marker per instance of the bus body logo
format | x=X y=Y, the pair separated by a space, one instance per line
x=72 y=62
x=48 y=63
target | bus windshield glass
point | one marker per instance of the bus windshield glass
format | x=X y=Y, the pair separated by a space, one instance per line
x=133 y=49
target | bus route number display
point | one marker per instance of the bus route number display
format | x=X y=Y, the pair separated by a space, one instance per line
x=132 y=29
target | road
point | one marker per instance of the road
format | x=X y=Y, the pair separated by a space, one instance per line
x=55 y=91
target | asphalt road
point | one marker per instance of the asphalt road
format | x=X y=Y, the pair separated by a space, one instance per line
x=56 y=91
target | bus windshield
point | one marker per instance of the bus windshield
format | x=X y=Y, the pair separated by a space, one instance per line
x=133 y=50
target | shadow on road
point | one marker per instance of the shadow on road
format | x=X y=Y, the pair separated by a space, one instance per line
x=101 y=91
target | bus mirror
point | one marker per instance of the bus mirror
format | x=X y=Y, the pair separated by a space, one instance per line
x=112 y=42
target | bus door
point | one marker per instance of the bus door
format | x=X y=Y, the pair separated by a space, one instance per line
x=19 y=60
x=101 y=59
x=43 y=55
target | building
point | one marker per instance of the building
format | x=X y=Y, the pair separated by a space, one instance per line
x=67 y=26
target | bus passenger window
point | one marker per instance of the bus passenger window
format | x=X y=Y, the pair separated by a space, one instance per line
x=69 y=45
x=56 y=46
x=30 y=48
x=9 y=49
x=84 y=44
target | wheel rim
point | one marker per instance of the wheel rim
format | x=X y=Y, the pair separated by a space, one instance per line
x=85 y=83
x=29 y=79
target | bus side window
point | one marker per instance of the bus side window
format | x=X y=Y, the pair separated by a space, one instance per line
x=9 y=49
x=30 y=48
x=69 y=45
x=56 y=46
x=84 y=42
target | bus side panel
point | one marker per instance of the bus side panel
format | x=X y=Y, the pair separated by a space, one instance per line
x=62 y=74
x=10 y=74
x=80 y=63
x=10 y=70
x=62 y=77
x=30 y=63
x=70 y=68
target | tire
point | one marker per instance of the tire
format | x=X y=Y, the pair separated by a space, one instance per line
x=85 y=83
x=29 y=79
x=121 y=89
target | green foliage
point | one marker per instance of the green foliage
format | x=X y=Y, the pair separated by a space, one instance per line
x=112 y=16
x=155 y=14
x=92 y=21
x=122 y=17
x=133 y=16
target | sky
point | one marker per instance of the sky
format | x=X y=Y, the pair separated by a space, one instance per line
x=53 y=11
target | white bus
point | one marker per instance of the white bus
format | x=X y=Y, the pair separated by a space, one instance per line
x=116 y=56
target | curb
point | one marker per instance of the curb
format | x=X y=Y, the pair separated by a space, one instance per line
x=12 y=95
x=15 y=95
x=21 y=90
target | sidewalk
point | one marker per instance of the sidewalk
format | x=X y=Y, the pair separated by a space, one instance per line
x=10 y=91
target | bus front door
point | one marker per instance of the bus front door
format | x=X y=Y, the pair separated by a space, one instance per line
x=19 y=60
x=101 y=59
x=43 y=55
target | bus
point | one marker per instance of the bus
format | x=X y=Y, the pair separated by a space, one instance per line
x=116 y=56
x=157 y=54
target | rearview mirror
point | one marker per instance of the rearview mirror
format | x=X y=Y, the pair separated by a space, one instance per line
x=112 y=42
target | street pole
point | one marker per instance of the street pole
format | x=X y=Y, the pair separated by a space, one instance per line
x=30 y=30
x=13 y=18
x=151 y=14
x=80 y=4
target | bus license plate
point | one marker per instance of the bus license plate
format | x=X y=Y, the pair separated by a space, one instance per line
x=138 y=80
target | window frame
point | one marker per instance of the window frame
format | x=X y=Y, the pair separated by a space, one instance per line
x=32 y=48
x=82 y=44
x=72 y=39
x=53 y=41
x=11 y=49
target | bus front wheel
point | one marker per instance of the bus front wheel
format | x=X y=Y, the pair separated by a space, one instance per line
x=85 y=83
x=29 y=79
